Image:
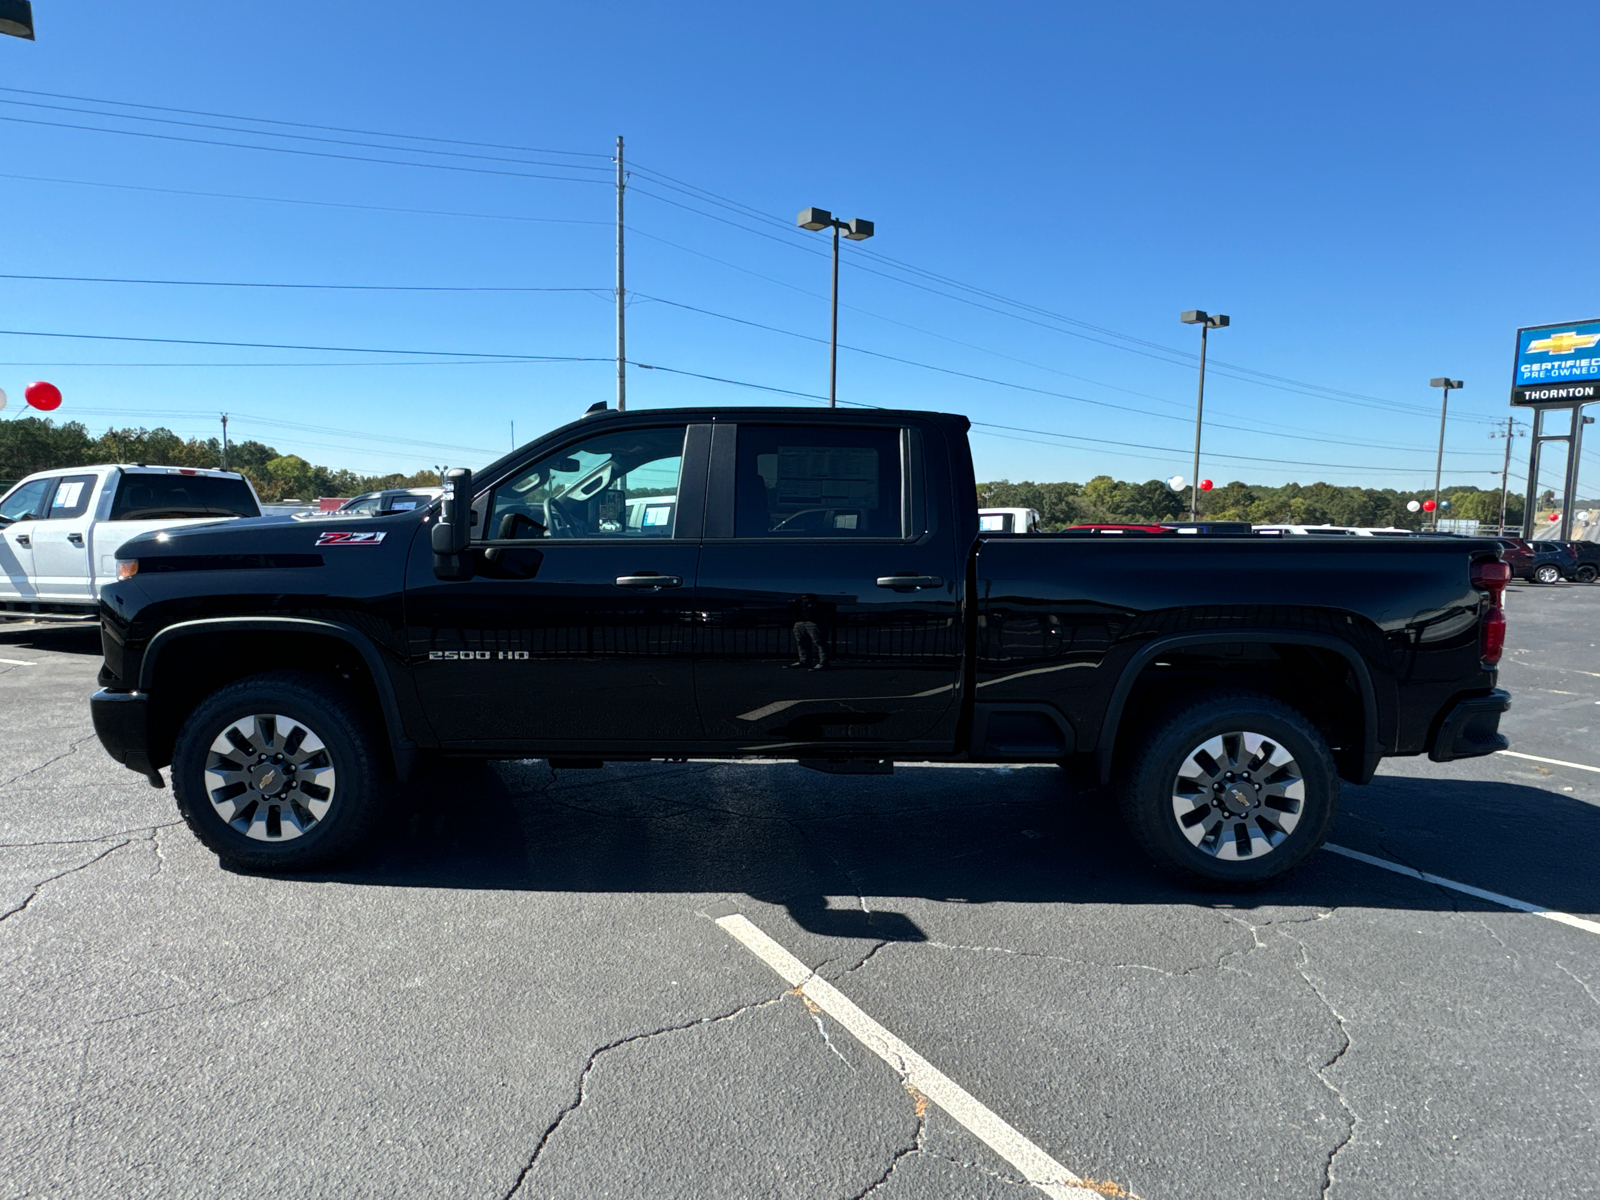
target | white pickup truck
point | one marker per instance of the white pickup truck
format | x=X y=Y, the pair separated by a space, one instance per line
x=60 y=530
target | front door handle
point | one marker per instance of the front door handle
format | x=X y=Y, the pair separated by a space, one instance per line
x=649 y=580
x=909 y=581
x=75 y=538
x=24 y=540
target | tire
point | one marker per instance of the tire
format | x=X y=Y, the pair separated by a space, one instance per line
x=1287 y=804
x=1547 y=574
x=1587 y=573
x=311 y=795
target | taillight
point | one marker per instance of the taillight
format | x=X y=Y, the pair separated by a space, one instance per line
x=1491 y=576
x=1492 y=635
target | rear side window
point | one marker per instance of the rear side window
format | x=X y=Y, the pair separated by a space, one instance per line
x=143 y=496
x=23 y=501
x=71 y=498
x=809 y=481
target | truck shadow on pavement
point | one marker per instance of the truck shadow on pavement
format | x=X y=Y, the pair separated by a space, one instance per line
x=818 y=845
x=66 y=638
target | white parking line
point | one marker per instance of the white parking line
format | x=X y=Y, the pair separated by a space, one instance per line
x=1550 y=914
x=17 y=662
x=1037 y=1167
x=1555 y=762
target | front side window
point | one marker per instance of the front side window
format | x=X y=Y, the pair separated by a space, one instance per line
x=622 y=484
x=23 y=501
x=812 y=481
x=71 y=497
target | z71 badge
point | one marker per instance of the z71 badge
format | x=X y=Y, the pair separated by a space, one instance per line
x=362 y=538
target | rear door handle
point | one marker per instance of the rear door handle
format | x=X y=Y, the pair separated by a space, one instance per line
x=649 y=580
x=910 y=581
x=24 y=540
x=75 y=538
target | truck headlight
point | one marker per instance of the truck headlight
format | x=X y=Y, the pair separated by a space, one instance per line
x=127 y=568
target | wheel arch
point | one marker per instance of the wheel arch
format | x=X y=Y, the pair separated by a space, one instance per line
x=1359 y=769
x=186 y=661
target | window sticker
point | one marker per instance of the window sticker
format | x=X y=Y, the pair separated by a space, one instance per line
x=825 y=476
x=658 y=514
x=67 y=493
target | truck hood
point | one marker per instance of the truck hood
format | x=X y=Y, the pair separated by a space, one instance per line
x=210 y=544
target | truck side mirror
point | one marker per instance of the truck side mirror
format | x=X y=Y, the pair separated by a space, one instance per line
x=453 y=530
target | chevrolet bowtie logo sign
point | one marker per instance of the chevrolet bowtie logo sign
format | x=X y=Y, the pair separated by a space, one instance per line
x=1564 y=343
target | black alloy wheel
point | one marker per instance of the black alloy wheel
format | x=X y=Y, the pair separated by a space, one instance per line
x=1235 y=789
x=278 y=773
x=1587 y=573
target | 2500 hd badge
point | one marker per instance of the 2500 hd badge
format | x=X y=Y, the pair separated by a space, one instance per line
x=474 y=655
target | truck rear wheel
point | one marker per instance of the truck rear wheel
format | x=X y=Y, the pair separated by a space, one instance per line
x=277 y=772
x=1235 y=789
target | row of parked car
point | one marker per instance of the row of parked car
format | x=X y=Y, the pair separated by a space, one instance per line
x=1539 y=561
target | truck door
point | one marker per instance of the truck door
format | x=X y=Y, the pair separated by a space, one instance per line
x=830 y=591
x=18 y=511
x=61 y=541
x=577 y=628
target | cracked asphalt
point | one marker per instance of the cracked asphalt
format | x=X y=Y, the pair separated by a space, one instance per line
x=519 y=994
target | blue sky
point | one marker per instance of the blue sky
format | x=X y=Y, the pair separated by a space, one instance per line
x=1376 y=194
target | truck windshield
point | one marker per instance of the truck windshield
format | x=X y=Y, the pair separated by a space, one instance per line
x=149 y=496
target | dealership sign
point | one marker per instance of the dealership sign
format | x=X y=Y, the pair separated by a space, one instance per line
x=1558 y=364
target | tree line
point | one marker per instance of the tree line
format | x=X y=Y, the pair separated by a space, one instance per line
x=1104 y=500
x=29 y=444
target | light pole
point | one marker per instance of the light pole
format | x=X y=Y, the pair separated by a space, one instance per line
x=1438 y=466
x=856 y=230
x=1207 y=323
x=16 y=18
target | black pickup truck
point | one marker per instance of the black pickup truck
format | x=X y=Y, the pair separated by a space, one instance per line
x=790 y=584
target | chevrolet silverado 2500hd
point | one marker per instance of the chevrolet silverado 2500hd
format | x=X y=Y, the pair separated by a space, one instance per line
x=787 y=584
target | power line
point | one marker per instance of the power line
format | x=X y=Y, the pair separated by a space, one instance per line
x=302 y=124
x=415 y=212
x=253 y=419
x=1153 y=350
x=392 y=162
x=1042 y=432
x=107 y=337
x=304 y=137
x=334 y=287
x=1143 y=412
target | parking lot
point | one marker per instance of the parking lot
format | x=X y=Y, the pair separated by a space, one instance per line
x=528 y=991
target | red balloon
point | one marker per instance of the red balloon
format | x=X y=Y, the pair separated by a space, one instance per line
x=1427 y=506
x=43 y=396
x=1205 y=485
x=1555 y=516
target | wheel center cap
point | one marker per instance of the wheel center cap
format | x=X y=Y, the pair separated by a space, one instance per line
x=269 y=780
x=1238 y=799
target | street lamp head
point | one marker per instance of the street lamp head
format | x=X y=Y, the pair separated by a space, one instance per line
x=809 y=218
x=1217 y=322
x=858 y=230
x=1194 y=316
x=16 y=18
x=1442 y=382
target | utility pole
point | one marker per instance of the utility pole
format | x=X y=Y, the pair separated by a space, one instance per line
x=224 y=441
x=622 y=337
x=1510 y=434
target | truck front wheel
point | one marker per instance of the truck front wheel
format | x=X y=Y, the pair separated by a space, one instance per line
x=1235 y=789
x=277 y=772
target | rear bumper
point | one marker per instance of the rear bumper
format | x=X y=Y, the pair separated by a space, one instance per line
x=1472 y=728
x=121 y=722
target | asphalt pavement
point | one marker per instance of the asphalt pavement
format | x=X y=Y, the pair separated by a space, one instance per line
x=539 y=988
